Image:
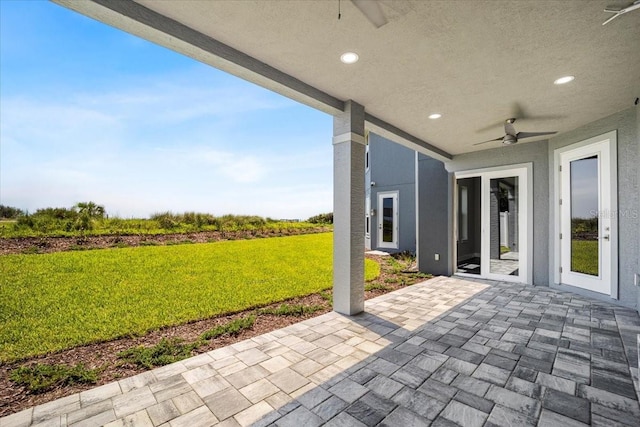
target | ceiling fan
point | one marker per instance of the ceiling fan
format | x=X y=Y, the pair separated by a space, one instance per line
x=511 y=136
x=372 y=11
x=619 y=12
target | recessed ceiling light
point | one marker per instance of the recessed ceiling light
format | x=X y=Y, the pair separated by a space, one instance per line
x=349 y=57
x=435 y=116
x=563 y=80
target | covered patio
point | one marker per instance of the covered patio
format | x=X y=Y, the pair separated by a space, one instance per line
x=448 y=351
x=452 y=350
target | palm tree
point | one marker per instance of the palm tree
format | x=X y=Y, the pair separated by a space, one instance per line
x=90 y=209
x=87 y=212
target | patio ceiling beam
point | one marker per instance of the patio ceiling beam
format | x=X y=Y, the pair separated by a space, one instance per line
x=139 y=20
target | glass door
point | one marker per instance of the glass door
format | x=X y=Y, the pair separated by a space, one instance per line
x=504 y=244
x=587 y=251
x=388 y=220
x=491 y=224
x=469 y=232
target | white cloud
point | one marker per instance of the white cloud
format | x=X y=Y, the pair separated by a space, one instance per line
x=159 y=146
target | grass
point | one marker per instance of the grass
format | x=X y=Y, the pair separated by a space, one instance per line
x=584 y=256
x=371 y=270
x=51 y=302
x=41 y=377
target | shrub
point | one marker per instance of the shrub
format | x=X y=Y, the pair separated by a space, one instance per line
x=292 y=310
x=41 y=377
x=377 y=287
x=173 y=350
x=163 y=353
x=326 y=218
x=56 y=213
x=9 y=212
x=232 y=328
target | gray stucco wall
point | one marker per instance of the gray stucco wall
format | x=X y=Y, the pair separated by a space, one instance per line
x=531 y=152
x=434 y=217
x=626 y=123
x=392 y=168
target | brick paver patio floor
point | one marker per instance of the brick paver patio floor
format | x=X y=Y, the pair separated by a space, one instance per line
x=444 y=352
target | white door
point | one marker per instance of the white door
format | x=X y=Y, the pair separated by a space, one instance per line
x=494 y=223
x=388 y=220
x=588 y=211
x=504 y=207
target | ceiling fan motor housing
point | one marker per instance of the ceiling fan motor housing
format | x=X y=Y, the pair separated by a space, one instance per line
x=509 y=139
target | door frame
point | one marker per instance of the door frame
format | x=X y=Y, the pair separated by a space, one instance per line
x=609 y=138
x=524 y=171
x=394 y=195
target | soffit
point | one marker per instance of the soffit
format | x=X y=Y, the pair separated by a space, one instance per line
x=475 y=62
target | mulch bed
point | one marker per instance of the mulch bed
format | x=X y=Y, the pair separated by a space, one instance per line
x=14 y=398
x=19 y=245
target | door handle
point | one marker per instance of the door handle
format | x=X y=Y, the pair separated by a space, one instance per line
x=605 y=237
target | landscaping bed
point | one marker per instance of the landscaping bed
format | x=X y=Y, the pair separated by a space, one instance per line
x=35 y=245
x=109 y=363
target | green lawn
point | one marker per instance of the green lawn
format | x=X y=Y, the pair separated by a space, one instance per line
x=55 y=301
x=584 y=256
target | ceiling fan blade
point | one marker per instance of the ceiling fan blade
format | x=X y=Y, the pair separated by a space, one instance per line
x=521 y=135
x=520 y=113
x=491 y=140
x=372 y=11
x=509 y=129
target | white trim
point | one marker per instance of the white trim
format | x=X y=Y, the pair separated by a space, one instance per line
x=349 y=137
x=416 y=201
x=524 y=172
x=556 y=259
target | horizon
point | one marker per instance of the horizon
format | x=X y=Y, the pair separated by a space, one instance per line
x=89 y=112
x=108 y=215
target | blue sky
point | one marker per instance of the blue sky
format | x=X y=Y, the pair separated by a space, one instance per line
x=88 y=112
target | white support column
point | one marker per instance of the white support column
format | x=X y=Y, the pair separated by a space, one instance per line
x=348 y=209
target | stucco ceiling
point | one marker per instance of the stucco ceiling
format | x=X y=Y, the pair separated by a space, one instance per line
x=475 y=62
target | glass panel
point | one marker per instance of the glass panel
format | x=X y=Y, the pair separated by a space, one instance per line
x=367 y=212
x=584 y=216
x=464 y=213
x=503 y=226
x=387 y=219
x=469 y=228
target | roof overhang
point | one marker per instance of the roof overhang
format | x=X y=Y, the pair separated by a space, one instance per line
x=476 y=62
